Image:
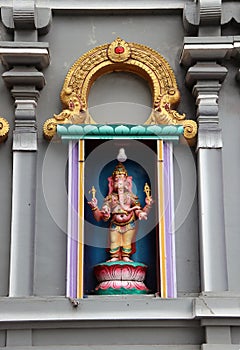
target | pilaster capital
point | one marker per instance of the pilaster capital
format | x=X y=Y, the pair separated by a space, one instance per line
x=24 y=76
x=211 y=72
x=24 y=91
x=25 y=132
x=24 y=56
x=206 y=79
x=24 y=14
x=25 y=136
x=25 y=104
x=209 y=136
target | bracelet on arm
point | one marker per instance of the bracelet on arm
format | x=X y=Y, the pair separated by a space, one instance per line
x=95 y=208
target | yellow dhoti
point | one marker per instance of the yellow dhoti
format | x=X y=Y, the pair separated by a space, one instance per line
x=121 y=236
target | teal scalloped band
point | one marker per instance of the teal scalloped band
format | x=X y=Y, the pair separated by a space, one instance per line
x=112 y=291
x=116 y=131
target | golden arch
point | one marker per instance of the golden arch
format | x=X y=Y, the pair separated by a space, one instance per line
x=120 y=56
x=134 y=58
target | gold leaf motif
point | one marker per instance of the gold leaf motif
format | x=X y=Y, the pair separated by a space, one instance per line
x=190 y=131
x=74 y=114
x=4 y=129
x=165 y=114
x=49 y=128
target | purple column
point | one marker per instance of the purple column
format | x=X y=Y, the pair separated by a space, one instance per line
x=72 y=220
x=169 y=219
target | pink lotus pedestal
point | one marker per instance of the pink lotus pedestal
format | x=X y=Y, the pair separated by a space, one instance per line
x=120 y=277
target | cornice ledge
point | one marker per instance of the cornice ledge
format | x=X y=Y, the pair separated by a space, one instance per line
x=206 y=49
x=216 y=347
x=35 y=309
x=96 y=5
x=58 y=309
x=214 y=305
x=24 y=53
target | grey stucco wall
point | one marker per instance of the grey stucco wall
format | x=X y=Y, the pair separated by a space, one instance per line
x=7 y=111
x=50 y=247
x=159 y=323
x=229 y=105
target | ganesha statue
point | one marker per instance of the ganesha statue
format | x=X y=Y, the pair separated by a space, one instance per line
x=121 y=208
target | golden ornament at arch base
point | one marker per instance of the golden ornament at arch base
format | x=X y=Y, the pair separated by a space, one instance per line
x=123 y=57
x=4 y=129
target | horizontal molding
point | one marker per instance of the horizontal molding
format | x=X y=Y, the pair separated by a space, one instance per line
x=120 y=308
x=108 y=347
x=114 y=131
x=215 y=48
x=211 y=307
x=206 y=49
x=220 y=347
x=131 y=308
x=24 y=53
x=103 y=5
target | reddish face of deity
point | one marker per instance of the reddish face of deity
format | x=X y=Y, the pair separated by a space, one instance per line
x=119 y=181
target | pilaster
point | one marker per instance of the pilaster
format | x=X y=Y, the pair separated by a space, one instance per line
x=200 y=54
x=23 y=58
x=206 y=79
x=24 y=83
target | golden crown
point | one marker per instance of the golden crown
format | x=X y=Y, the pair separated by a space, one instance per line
x=120 y=170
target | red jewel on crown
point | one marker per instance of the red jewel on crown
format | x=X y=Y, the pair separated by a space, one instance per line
x=119 y=49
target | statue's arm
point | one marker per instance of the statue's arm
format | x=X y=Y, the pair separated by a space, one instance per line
x=103 y=214
x=148 y=205
x=142 y=212
x=96 y=211
x=106 y=210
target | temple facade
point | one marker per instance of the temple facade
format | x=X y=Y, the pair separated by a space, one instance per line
x=119 y=173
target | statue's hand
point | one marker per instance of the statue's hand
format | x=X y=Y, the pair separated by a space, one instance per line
x=142 y=215
x=149 y=201
x=93 y=203
x=106 y=212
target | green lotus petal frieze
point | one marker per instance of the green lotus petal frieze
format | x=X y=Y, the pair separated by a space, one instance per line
x=112 y=131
